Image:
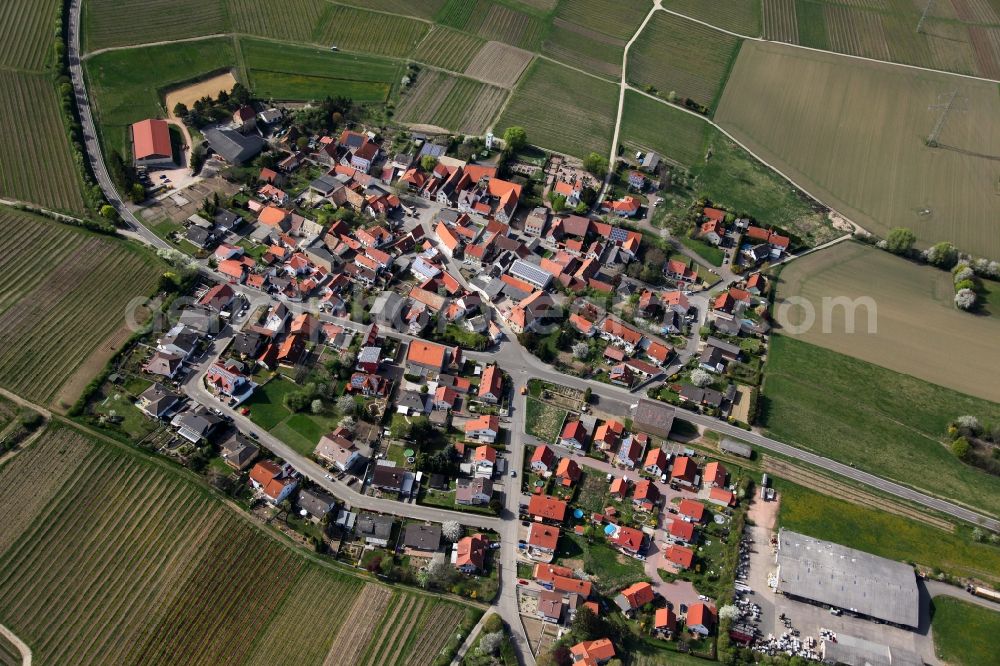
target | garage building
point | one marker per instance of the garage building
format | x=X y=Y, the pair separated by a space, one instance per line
x=832 y=575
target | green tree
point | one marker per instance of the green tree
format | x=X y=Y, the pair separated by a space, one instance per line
x=943 y=255
x=586 y=626
x=900 y=240
x=515 y=138
x=180 y=109
x=428 y=162
x=558 y=202
x=596 y=164
x=108 y=211
x=961 y=448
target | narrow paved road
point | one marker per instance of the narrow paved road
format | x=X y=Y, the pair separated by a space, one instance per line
x=90 y=136
x=21 y=646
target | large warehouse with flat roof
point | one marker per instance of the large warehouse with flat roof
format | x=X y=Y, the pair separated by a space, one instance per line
x=833 y=575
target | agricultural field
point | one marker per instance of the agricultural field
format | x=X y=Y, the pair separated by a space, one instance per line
x=290 y=72
x=853 y=133
x=740 y=16
x=864 y=527
x=723 y=172
x=492 y=20
x=543 y=421
x=127 y=85
x=450 y=102
x=447 y=48
x=293 y=21
x=499 y=64
x=176 y=574
x=369 y=32
x=26 y=33
x=9 y=654
x=916 y=317
x=961 y=37
x=579 y=110
x=591 y=34
x=110 y=23
x=676 y=55
x=881 y=421
x=33 y=126
x=964 y=634
x=63 y=298
x=422 y=8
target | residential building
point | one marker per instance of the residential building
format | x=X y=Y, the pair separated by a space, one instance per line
x=491 y=384
x=389 y=479
x=274 y=482
x=421 y=539
x=157 y=401
x=700 y=619
x=375 y=529
x=691 y=511
x=664 y=623
x=484 y=459
x=337 y=449
x=542 y=459
x=680 y=556
x=542 y=541
x=484 y=429
x=423 y=356
x=473 y=492
x=715 y=475
x=567 y=472
x=634 y=597
x=681 y=531
x=656 y=462
x=470 y=554
x=588 y=653
x=684 y=472
x=628 y=540
x=547 y=508
x=646 y=495
x=574 y=435
x=316 y=503
x=238 y=451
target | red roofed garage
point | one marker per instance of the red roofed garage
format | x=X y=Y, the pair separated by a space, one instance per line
x=151 y=144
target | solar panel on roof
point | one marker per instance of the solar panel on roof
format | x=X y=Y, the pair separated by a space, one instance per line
x=619 y=235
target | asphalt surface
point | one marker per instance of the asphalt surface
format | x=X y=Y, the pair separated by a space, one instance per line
x=90 y=136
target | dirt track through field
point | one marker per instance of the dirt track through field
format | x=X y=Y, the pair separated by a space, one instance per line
x=828 y=486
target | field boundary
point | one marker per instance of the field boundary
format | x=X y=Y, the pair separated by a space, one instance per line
x=836 y=53
x=21 y=646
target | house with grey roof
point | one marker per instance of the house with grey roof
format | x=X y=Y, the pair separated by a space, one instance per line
x=238 y=451
x=157 y=401
x=316 y=503
x=422 y=538
x=374 y=529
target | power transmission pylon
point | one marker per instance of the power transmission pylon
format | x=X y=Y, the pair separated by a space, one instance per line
x=946 y=108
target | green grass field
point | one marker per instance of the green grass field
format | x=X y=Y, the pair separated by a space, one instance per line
x=740 y=16
x=915 y=317
x=127 y=85
x=63 y=297
x=543 y=421
x=302 y=431
x=724 y=173
x=824 y=517
x=706 y=251
x=881 y=421
x=676 y=55
x=107 y=555
x=579 y=110
x=289 y=72
x=852 y=133
x=964 y=634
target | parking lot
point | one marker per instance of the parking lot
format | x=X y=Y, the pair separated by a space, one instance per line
x=802 y=620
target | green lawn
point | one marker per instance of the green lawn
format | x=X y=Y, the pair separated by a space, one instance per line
x=964 y=634
x=882 y=421
x=128 y=85
x=302 y=431
x=832 y=519
x=709 y=253
x=543 y=421
x=612 y=569
x=721 y=171
x=288 y=72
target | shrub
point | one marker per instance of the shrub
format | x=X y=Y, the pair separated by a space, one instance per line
x=961 y=448
x=965 y=299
